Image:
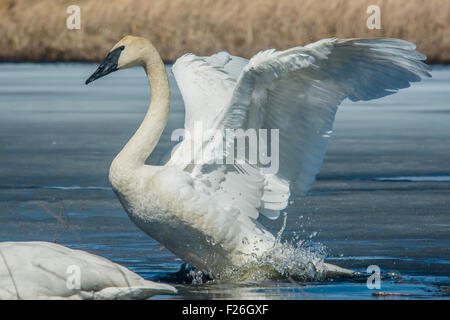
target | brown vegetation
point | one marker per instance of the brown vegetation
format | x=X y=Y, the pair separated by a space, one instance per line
x=36 y=29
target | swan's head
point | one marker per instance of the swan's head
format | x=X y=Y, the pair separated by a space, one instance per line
x=127 y=53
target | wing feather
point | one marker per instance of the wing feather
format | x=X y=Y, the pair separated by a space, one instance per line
x=295 y=91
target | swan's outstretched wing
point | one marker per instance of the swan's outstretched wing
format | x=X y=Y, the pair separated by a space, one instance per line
x=206 y=84
x=297 y=91
x=43 y=270
x=232 y=65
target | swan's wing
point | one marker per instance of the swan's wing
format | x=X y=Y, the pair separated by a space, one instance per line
x=232 y=65
x=297 y=92
x=206 y=85
x=42 y=270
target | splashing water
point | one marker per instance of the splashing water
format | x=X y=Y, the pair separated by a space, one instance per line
x=297 y=259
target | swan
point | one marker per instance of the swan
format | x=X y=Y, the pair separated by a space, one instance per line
x=205 y=209
x=42 y=270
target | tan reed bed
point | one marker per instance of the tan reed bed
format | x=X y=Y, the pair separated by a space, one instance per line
x=36 y=29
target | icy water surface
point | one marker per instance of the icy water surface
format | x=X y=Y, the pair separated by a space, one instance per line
x=382 y=197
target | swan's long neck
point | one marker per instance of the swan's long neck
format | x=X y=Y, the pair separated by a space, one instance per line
x=141 y=145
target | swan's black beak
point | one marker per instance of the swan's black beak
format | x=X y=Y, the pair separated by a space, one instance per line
x=107 y=66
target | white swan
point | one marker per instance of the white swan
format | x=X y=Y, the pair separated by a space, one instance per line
x=44 y=270
x=205 y=212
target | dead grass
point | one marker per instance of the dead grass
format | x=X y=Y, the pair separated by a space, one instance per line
x=36 y=29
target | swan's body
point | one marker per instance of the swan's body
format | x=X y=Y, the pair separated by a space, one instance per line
x=206 y=213
x=42 y=270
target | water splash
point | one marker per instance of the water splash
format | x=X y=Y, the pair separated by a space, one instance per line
x=298 y=259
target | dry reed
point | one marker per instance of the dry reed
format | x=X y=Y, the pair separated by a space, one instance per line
x=36 y=29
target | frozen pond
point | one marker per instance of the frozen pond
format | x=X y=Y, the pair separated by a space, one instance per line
x=382 y=196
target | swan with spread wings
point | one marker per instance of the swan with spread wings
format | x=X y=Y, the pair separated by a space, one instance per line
x=206 y=211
